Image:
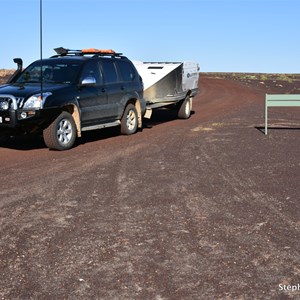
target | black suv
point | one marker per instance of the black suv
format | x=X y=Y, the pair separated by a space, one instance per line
x=71 y=92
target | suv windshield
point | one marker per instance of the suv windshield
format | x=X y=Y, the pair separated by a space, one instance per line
x=52 y=72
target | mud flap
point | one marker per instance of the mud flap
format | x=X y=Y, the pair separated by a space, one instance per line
x=148 y=113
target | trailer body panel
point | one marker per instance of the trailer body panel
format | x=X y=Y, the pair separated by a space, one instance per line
x=166 y=83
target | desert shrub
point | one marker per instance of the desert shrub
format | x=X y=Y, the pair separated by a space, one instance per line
x=263 y=77
x=285 y=77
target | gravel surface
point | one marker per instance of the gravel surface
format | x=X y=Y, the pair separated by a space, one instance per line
x=204 y=208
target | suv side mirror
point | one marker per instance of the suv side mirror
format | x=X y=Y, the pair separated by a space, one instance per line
x=88 y=81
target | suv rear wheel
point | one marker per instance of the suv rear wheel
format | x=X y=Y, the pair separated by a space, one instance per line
x=129 y=121
x=61 y=133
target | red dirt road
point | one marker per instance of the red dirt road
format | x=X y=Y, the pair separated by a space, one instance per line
x=204 y=208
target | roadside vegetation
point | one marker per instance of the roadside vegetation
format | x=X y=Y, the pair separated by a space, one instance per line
x=5 y=74
x=274 y=83
x=255 y=76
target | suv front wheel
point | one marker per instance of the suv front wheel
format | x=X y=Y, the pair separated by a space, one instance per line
x=61 y=133
x=129 y=121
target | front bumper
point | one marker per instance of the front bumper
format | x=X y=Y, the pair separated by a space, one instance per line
x=14 y=118
x=8 y=118
x=9 y=113
x=21 y=120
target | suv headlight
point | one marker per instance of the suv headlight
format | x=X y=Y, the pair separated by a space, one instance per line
x=4 y=105
x=36 y=101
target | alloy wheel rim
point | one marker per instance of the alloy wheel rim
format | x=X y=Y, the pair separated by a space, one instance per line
x=131 y=120
x=64 y=132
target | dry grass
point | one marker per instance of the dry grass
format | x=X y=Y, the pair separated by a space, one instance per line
x=6 y=72
x=5 y=75
x=255 y=76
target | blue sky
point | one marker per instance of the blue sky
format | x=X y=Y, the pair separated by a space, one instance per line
x=221 y=35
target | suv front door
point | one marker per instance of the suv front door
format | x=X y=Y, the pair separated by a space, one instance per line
x=92 y=98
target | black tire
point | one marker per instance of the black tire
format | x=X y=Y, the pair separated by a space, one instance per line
x=129 y=121
x=185 y=108
x=4 y=139
x=61 y=133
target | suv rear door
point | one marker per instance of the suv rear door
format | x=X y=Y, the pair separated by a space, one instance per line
x=114 y=87
x=130 y=77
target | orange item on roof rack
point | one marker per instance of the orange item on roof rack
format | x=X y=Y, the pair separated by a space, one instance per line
x=93 y=50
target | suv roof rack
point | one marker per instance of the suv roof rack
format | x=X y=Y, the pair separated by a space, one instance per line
x=64 y=52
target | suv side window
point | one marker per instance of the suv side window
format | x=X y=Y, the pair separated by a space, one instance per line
x=91 y=69
x=126 y=70
x=110 y=72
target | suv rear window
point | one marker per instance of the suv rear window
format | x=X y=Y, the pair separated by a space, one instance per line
x=126 y=70
x=110 y=72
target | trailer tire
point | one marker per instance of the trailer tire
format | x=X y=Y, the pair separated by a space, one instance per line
x=129 y=121
x=61 y=133
x=185 y=108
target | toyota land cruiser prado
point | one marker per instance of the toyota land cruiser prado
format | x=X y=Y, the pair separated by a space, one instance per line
x=71 y=92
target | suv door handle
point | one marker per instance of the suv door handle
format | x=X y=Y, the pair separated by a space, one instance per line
x=122 y=87
x=103 y=90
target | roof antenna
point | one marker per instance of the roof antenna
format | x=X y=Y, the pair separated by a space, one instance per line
x=41 y=46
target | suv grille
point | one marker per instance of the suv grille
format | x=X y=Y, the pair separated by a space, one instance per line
x=20 y=101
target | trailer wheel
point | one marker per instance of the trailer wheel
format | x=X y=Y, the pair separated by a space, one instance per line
x=61 y=133
x=185 y=108
x=129 y=121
